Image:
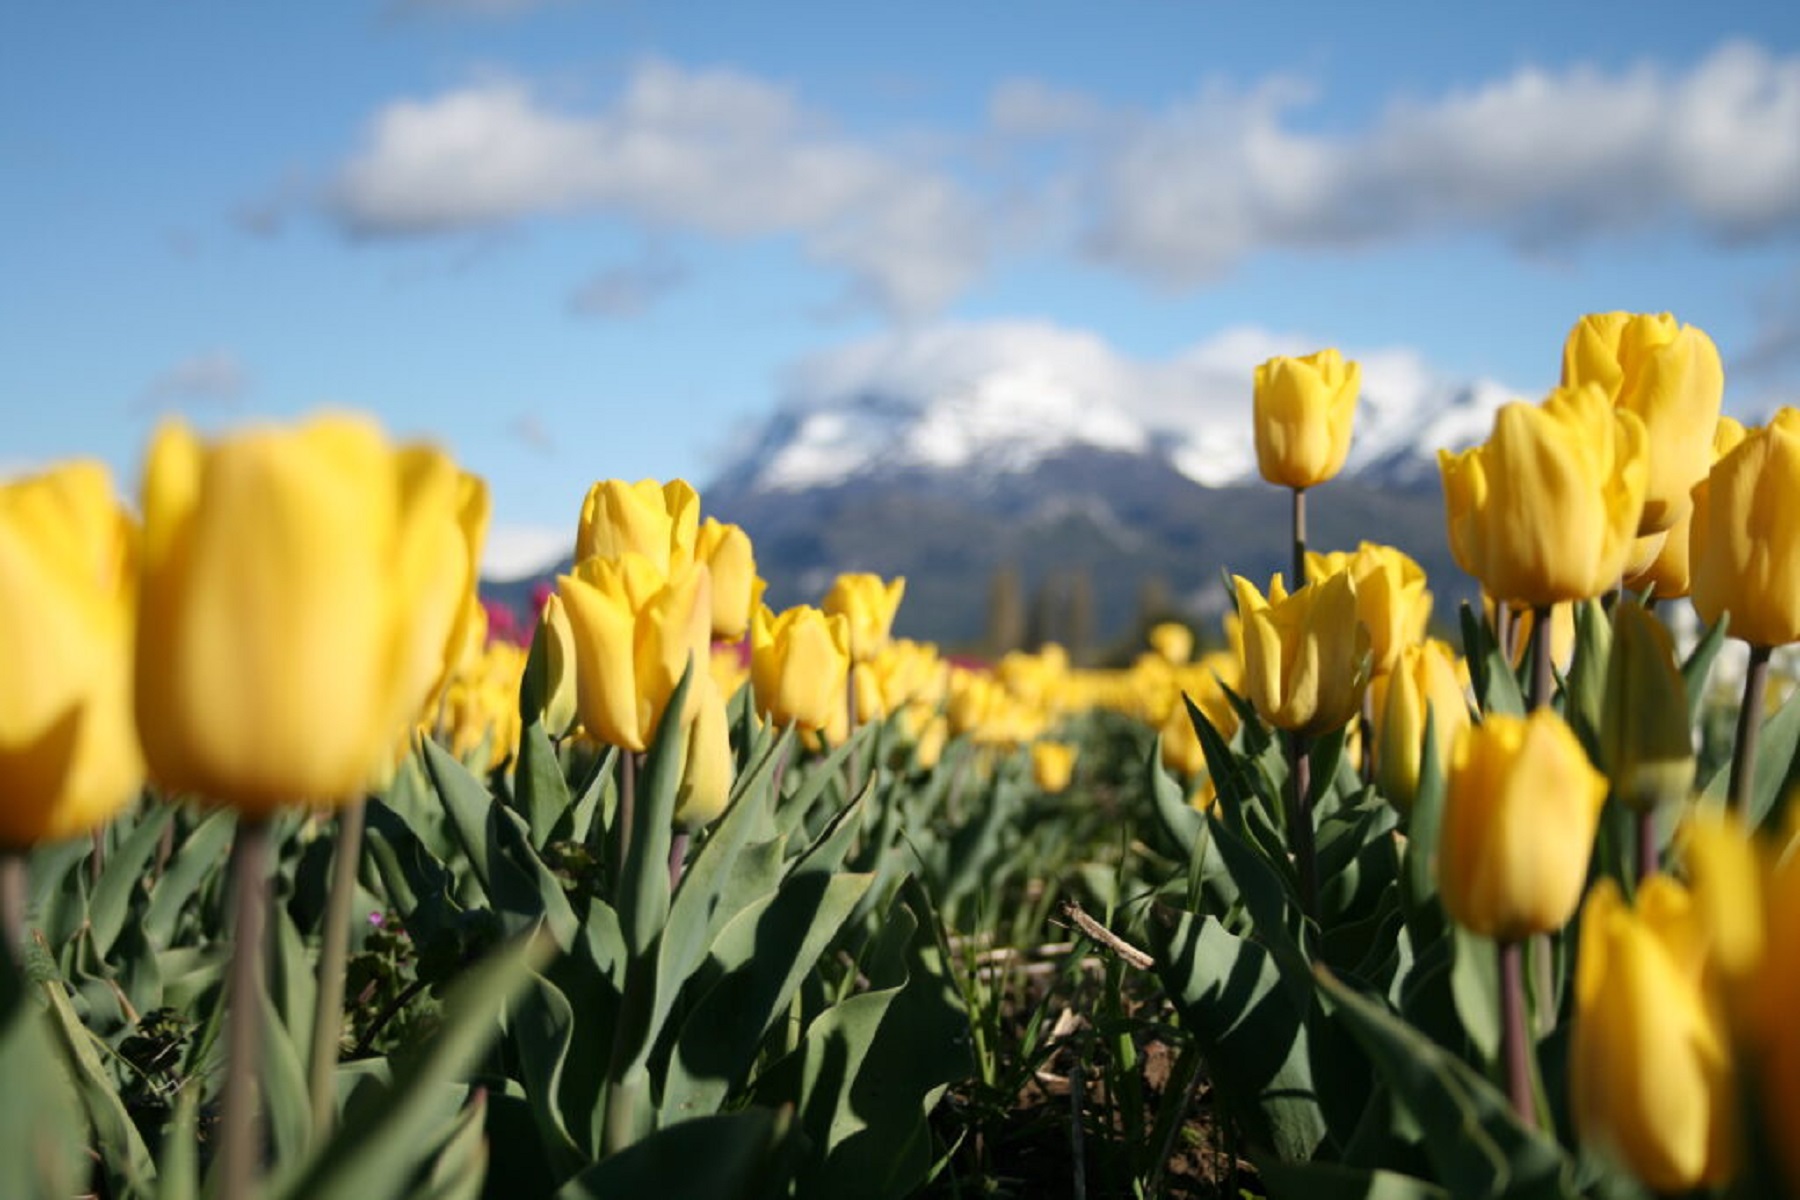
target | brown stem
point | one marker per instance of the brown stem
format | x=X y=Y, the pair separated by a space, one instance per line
x=1503 y=629
x=1649 y=860
x=97 y=860
x=1543 y=677
x=1515 y=1039
x=13 y=892
x=678 y=847
x=1366 y=731
x=622 y=819
x=1299 y=579
x=328 y=1012
x=852 y=768
x=1300 y=822
x=1749 y=726
x=240 y=1149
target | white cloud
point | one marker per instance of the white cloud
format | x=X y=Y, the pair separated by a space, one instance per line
x=518 y=551
x=216 y=377
x=717 y=152
x=1539 y=158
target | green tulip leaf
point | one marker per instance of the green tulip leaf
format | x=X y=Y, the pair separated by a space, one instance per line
x=198 y=861
x=123 y=878
x=539 y=791
x=1333 y=1181
x=726 y=1157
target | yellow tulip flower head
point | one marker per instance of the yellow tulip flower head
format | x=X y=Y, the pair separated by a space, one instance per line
x=1668 y=374
x=1306 y=656
x=1425 y=681
x=1172 y=641
x=1650 y=1062
x=869 y=603
x=560 y=657
x=1303 y=408
x=69 y=755
x=725 y=549
x=660 y=521
x=1391 y=599
x=798 y=663
x=636 y=632
x=1547 y=509
x=708 y=769
x=1520 y=809
x=1052 y=765
x=1745 y=551
x=1669 y=573
x=300 y=586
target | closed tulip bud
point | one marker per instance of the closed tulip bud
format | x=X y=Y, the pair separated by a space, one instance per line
x=1172 y=641
x=1306 y=656
x=1425 y=681
x=1745 y=553
x=1520 y=809
x=725 y=549
x=1644 y=737
x=932 y=737
x=1391 y=600
x=798 y=663
x=69 y=755
x=869 y=605
x=1182 y=751
x=660 y=521
x=293 y=618
x=707 y=771
x=1649 y=1061
x=1303 y=408
x=1668 y=374
x=1547 y=509
x=560 y=658
x=1052 y=766
x=635 y=634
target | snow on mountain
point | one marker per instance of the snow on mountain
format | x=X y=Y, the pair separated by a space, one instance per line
x=1002 y=397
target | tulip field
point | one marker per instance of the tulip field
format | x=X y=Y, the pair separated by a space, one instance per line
x=315 y=884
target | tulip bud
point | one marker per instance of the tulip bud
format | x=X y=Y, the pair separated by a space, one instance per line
x=1520 y=808
x=1644 y=737
x=725 y=549
x=1671 y=377
x=1052 y=765
x=706 y=775
x=1303 y=409
x=1649 y=1062
x=1172 y=641
x=1745 y=540
x=869 y=605
x=1425 y=681
x=1306 y=656
x=657 y=520
x=798 y=664
x=69 y=755
x=1391 y=600
x=932 y=737
x=557 y=637
x=293 y=615
x=1670 y=573
x=1547 y=509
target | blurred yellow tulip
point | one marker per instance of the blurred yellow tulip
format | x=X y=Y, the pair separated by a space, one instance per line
x=636 y=632
x=1306 y=656
x=1391 y=599
x=1520 y=808
x=69 y=755
x=1668 y=374
x=1303 y=409
x=1425 y=680
x=798 y=664
x=1669 y=572
x=1547 y=509
x=1172 y=641
x=299 y=590
x=1052 y=765
x=708 y=769
x=1745 y=554
x=725 y=549
x=869 y=604
x=1650 y=1059
x=660 y=521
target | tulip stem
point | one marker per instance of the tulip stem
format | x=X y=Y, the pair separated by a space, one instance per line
x=12 y=904
x=1299 y=579
x=678 y=848
x=1300 y=819
x=1543 y=677
x=1515 y=1038
x=1503 y=629
x=622 y=817
x=852 y=768
x=1649 y=859
x=328 y=1012
x=240 y=1151
x=1749 y=727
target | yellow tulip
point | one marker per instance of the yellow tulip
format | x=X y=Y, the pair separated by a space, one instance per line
x=798 y=663
x=1520 y=809
x=1777 y=983
x=1644 y=737
x=293 y=618
x=1391 y=600
x=707 y=770
x=635 y=634
x=1745 y=554
x=1547 y=509
x=660 y=521
x=560 y=670
x=1424 y=681
x=1306 y=656
x=1668 y=374
x=1303 y=408
x=908 y=672
x=725 y=549
x=1052 y=765
x=447 y=627
x=933 y=736
x=69 y=755
x=1669 y=572
x=869 y=604
x=1172 y=641
x=1650 y=1062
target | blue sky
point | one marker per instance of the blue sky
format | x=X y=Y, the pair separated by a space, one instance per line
x=577 y=240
